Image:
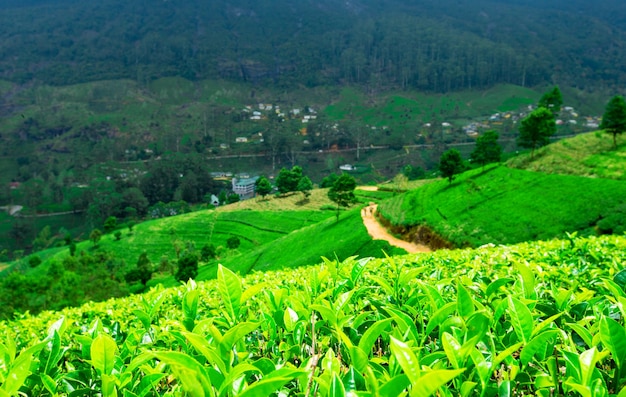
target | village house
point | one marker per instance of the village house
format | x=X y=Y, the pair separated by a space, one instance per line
x=244 y=187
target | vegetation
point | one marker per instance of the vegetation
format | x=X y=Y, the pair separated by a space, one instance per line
x=342 y=192
x=450 y=164
x=586 y=155
x=501 y=205
x=506 y=320
x=487 y=149
x=552 y=100
x=614 y=119
x=536 y=129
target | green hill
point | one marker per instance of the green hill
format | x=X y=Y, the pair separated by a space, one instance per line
x=590 y=155
x=508 y=205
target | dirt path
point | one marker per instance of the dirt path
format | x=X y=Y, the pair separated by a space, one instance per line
x=378 y=232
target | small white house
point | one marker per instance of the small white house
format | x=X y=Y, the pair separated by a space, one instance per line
x=241 y=139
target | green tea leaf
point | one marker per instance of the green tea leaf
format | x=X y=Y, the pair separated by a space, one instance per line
x=528 y=280
x=464 y=301
x=437 y=318
x=235 y=334
x=613 y=337
x=407 y=359
x=290 y=318
x=521 y=318
x=537 y=344
x=188 y=371
x=209 y=353
x=336 y=387
x=103 y=351
x=452 y=348
x=395 y=386
x=229 y=288
x=371 y=335
x=430 y=382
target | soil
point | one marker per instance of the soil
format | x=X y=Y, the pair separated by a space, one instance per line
x=378 y=232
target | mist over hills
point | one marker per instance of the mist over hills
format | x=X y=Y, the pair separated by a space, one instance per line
x=437 y=46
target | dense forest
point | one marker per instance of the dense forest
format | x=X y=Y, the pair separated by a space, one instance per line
x=436 y=46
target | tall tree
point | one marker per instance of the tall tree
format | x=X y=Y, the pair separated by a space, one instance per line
x=487 y=149
x=287 y=180
x=263 y=186
x=614 y=118
x=305 y=186
x=450 y=164
x=342 y=192
x=552 y=100
x=536 y=129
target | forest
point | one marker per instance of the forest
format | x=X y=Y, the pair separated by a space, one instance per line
x=427 y=45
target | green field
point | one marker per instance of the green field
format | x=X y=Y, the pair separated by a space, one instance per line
x=502 y=205
x=160 y=237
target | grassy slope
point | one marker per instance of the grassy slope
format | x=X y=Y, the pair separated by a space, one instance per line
x=306 y=246
x=590 y=154
x=504 y=205
x=158 y=237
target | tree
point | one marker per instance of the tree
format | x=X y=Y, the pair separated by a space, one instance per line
x=208 y=251
x=142 y=272
x=305 y=186
x=487 y=149
x=187 y=267
x=110 y=224
x=536 y=129
x=233 y=242
x=287 y=180
x=342 y=192
x=450 y=164
x=263 y=186
x=614 y=118
x=95 y=236
x=552 y=100
x=329 y=180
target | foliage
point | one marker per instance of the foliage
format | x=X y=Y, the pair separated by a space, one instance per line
x=329 y=180
x=95 y=236
x=288 y=180
x=413 y=173
x=501 y=205
x=552 y=100
x=142 y=272
x=187 y=267
x=487 y=149
x=614 y=118
x=263 y=186
x=233 y=242
x=232 y=198
x=536 y=129
x=110 y=224
x=450 y=164
x=305 y=186
x=342 y=191
x=493 y=321
x=208 y=252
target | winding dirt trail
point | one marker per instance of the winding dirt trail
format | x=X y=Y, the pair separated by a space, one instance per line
x=378 y=232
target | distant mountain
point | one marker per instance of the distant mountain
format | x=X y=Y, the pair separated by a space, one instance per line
x=430 y=45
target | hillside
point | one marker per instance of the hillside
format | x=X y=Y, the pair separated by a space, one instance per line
x=591 y=155
x=475 y=322
x=505 y=205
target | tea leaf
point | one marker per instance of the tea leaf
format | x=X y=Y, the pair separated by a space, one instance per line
x=103 y=351
x=430 y=382
x=406 y=358
x=229 y=288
